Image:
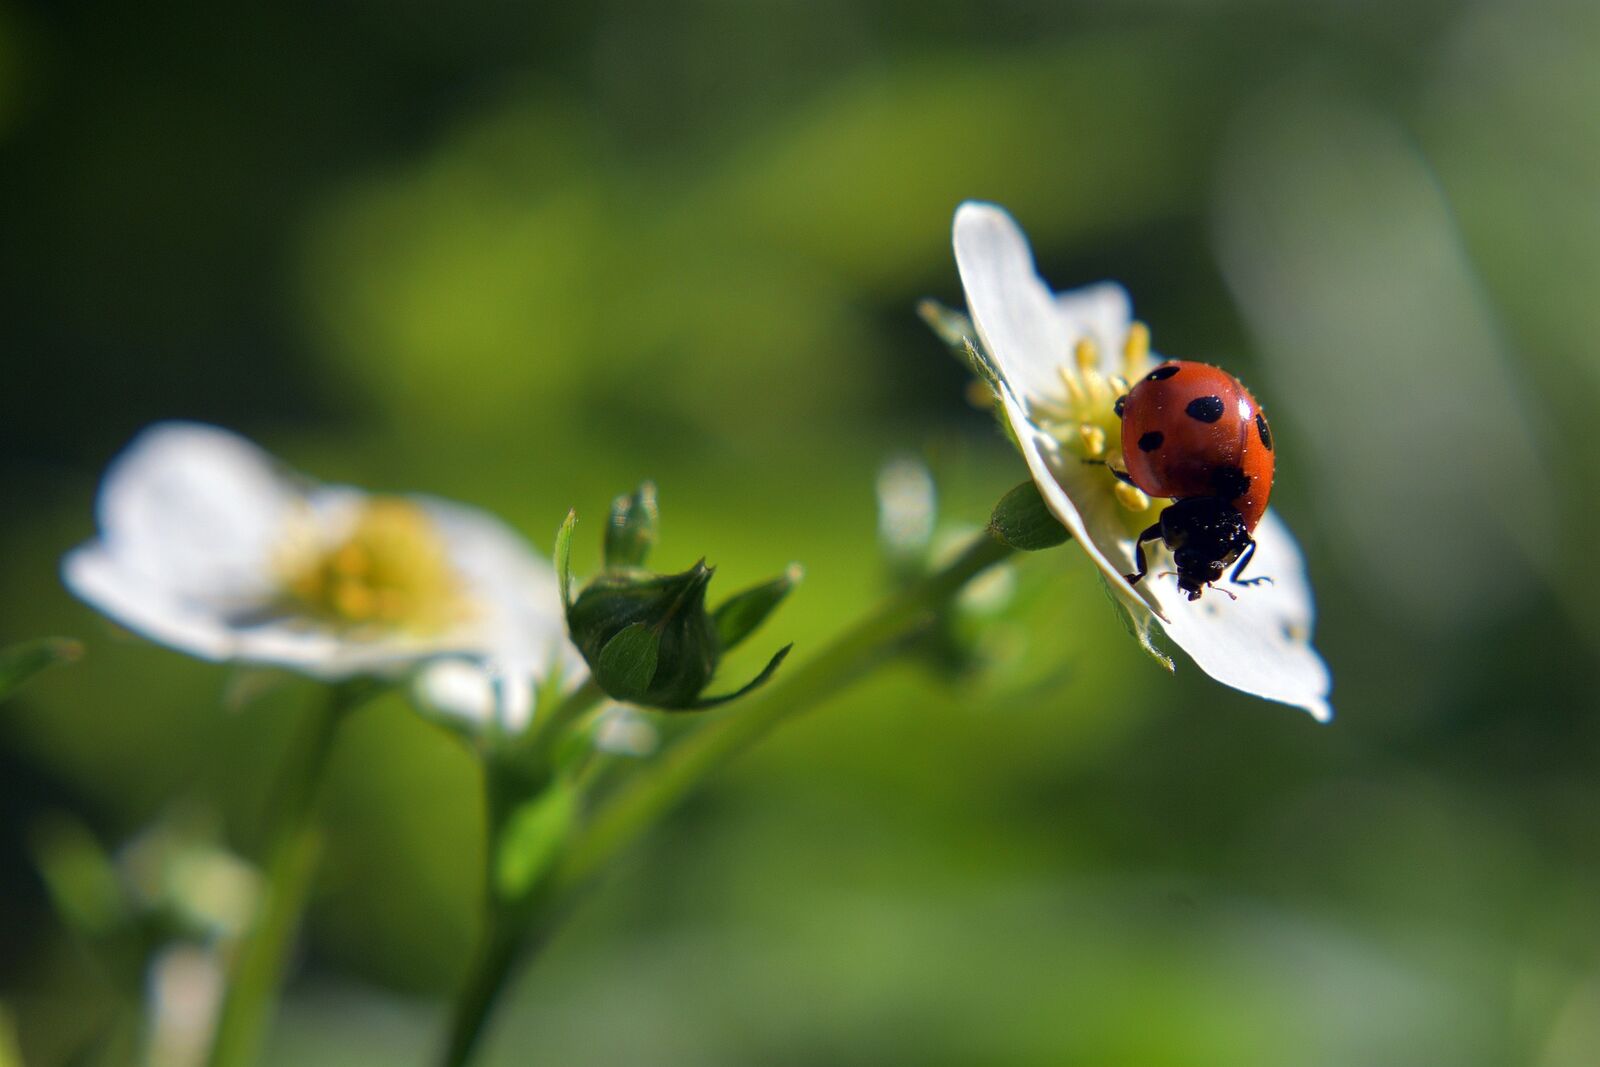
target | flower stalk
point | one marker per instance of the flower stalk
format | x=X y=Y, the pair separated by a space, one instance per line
x=293 y=847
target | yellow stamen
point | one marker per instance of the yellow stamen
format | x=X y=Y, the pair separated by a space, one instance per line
x=1136 y=349
x=390 y=570
x=1073 y=386
x=1131 y=497
x=1093 y=438
x=1087 y=354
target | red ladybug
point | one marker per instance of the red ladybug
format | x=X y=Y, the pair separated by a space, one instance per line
x=1194 y=433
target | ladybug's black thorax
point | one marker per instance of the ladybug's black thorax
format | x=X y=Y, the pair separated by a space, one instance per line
x=1205 y=534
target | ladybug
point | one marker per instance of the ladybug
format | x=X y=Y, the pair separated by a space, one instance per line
x=1193 y=433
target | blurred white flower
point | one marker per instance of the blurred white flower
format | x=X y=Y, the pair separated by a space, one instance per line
x=184 y=994
x=210 y=546
x=623 y=730
x=1057 y=363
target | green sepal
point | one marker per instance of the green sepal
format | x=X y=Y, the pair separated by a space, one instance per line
x=951 y=326
x=1139 y=625
x=1022 y=520
x=956 y=331
x=20 y=662
x=533 y=836
x=633 y=527
x=628 y=662
x=752 y=685
x=743 y=613
x=563 y=557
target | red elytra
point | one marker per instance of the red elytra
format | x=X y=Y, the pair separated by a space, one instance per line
x=1193 y=430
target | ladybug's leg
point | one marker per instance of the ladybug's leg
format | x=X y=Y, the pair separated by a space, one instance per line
x=1249 y=554
x=1121 y=476
x=1151 y=533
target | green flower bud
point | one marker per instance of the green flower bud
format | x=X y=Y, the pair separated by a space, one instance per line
x=631 y=533
x=648 y=638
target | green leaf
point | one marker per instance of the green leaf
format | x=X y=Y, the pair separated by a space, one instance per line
x=753 y=684
x=631 y=531
x=18 y=663
x=741 y=614
x=563 y=557
x=532 y=839
x=1022 y=520
x=627 y=664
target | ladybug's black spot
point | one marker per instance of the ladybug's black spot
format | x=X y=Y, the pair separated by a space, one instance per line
x=1122 y=401
x=1231 y=483
x=1261 y=428
x=1205 y=408
x=1162 y=373
x=1151 y=441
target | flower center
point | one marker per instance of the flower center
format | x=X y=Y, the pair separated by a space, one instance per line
x=391 y=570
x=1084 y=418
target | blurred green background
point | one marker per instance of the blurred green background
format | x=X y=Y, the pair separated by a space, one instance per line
x=523 y=255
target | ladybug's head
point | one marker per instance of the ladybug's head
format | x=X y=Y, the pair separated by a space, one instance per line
x=1205 y=534
x=1196 y=570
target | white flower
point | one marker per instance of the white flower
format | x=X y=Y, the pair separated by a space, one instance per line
x=211 y=547
x=1057 y=363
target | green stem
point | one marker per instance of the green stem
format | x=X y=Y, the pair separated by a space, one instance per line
x=655 y=792
x=485 y=981
x=547 y=732
x=293 y=847
x=511 y=932
x=505 y=927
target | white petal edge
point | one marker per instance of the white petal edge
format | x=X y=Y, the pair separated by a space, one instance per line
x=197 y=510
x=1035 y=445
x=98 y=579
x=1261 y=642
x=1014 y=311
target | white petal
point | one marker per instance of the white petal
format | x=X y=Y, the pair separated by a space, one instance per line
x=1042 y=454
x=1016 y=317
x=623 y=731
x=476 y=692
x=1261 y=642
x=196 y=511
x=144 y=605
x=521 y=623
x=1101 y=312
x=308 y=646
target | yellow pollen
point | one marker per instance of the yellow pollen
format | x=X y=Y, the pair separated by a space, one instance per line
x=1087 y=354
x=1094 y=440
x=1131 y=497
x=1136 y=349
x=391 y=570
